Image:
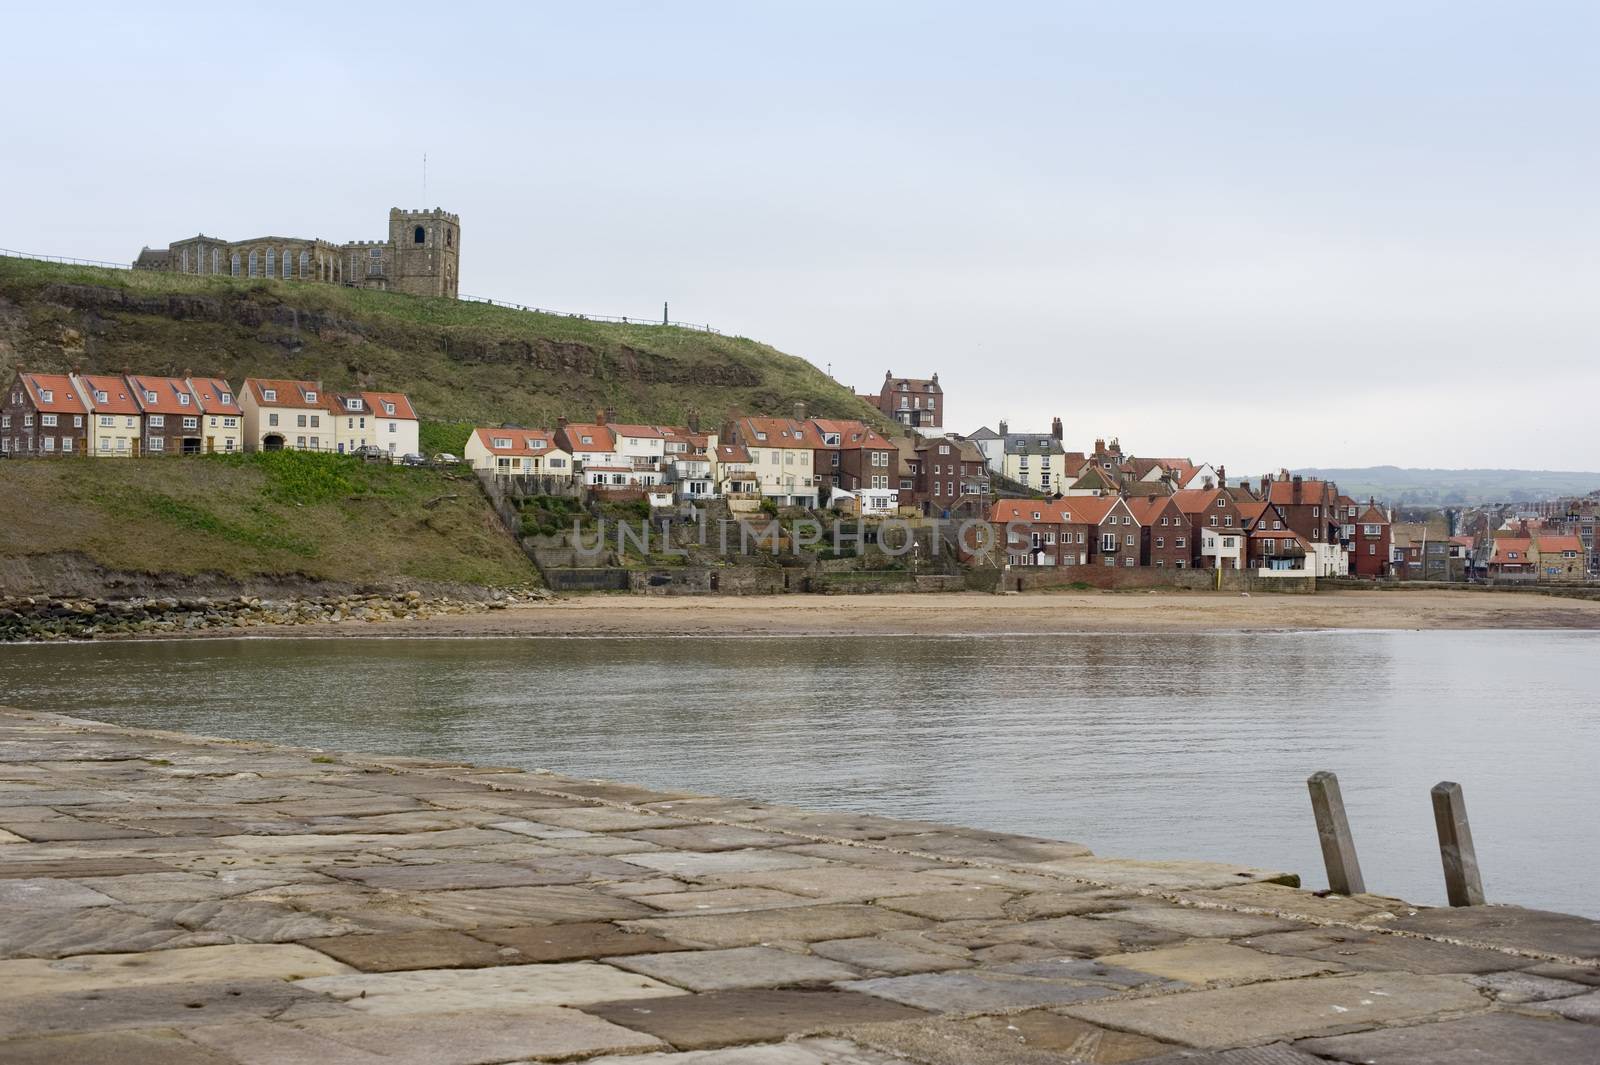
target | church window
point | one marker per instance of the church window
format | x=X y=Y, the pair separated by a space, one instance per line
x=216 y=260
x=449 y=237
x=272 y=262
x=235 y=264
x=305 y=261
x=418 y=235
x=183 y=259
x=288 y=264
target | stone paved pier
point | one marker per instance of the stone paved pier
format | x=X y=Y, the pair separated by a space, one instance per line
x=186 y=901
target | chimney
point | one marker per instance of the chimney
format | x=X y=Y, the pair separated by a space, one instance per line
x=1222 y=476
x=1099 y=447
x=935 y=378
x=1055 y=428
x=1298 y=484
x=694 y=422
x=1003 y=427
x=1266 y=485
x=610 y=416
x=562 y=421
x=799 y=412
x=888 y=375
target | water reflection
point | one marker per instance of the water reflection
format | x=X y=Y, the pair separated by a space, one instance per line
x=1165 y=745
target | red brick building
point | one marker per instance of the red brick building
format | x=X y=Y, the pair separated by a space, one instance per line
x=43 y=414
x=852 y=455
x=1214 y=509
x=1372 y=543
x=948 y=476
x=171 y=416
x=915 y=402
x=1164 y=537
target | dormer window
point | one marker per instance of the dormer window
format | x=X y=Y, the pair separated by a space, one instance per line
x=100 y=396
x=586 y=439
x=502 y=441
x=761 y=436
x=388 y=408
x=149 y=397
x=536 y=445
x=270 y=395
x=831 y=439
x=311 y=397
x=352 y=404
x=47 y=395
x=227 y=397
x=183 y=399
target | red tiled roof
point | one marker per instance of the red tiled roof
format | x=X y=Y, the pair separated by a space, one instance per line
x=291 y=394
x=161 y=395
x=1087 y=510
x=600 y=436
x=1147 y=509
x=1023 y=510
x=732 y=453
x=852 y=434
x=1311 y=491
x=1507 y=544
x=63 y=399
x=1196 y=500
x=1558 y=543
x=520 y=441
x=379 y=402
x=777 y=433
x=641 y=432
x=119 y=397
x=210 y=390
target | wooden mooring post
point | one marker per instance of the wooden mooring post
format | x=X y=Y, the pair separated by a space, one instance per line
x=1333 y=831
x=1462 y=884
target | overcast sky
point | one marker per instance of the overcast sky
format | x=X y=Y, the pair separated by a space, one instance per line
x=1253 y=233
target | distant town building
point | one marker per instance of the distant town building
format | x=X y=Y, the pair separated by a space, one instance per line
x=914 y=402
x=421 y=256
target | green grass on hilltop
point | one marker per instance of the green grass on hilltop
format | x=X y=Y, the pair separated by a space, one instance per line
x=324 y=517
x=467 y=363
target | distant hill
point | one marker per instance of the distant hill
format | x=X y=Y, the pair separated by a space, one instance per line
x=460 y=362
x=1394 y=484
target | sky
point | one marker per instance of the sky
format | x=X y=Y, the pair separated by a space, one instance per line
x=1252 y=233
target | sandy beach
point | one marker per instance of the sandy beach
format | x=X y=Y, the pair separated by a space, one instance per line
x=977 y=613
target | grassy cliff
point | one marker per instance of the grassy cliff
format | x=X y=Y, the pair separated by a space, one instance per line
x=461 y=363
x=270 y=515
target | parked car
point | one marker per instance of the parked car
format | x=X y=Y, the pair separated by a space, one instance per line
x=413 y=459
x=444 y=458
x=371 y=453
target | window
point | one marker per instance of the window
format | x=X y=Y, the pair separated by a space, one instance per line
x=47 y=395
x=150 y=397
x=352 y=404
x=300 y=421
x=47 y=419
x=272 y=419
x=158 y=421
x=1128 y=561
x=305 y=261
x=183 y=399
x=99 y=396
x=1213 y=519
x=106 y=421
x=158 y=443
x=311 y=397
x=227 y=398
x=269 y=395
x=394 y=427
x=66 y=443
x=1128 y=540
x=419 y=235
x=1227 y=520
x=300 y=442
x=1161 y=541
x=272 y=259
x=1178 y=542
x=1108 y=542
x=288 y=264
x=216 y=260
x=234 y=264
x=388 y=408
x=191 y=423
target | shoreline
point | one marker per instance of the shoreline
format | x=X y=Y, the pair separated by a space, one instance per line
x=957 y=614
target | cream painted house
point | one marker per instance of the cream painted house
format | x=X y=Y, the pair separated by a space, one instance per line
x=782 y=455
x=517 y=452
x=284 y=415
x=116 y=424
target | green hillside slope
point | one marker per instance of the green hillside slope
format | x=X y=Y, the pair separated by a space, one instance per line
x=459 y=362
x=274 y=515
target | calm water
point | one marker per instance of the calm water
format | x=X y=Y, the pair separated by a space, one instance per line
x=1153 y=746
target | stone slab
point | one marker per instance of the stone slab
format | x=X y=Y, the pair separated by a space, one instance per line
x=1055 y=936
x=1295 y=903
x=80 y=867
x=867 y=857
x=736 y=967
x=842 y=883
x=56 y=933
x=1270 y=1054
x=718 y=900
x=396 y=951
x=1376 y=951
x=574 y=942
x=151 y=1046
x=493 y=907
x=708 y=863
x=1517 y=987
x=974 y=991
x=500 y=987
x=820 y=1051
x=455 y=876
x=802 y=924
x=247 y=920
x=883 y=955
x=604 y=819
x=475 y=1038
x=160 y=1005
x=972 y=903
x=1558 y=934
x=67 y=828
x=1585 y=1008
x=1488 y=1037
x=48 y=893
x=1091 y=971
x=971 y=843
x=1285 y=1009
x=1124 y=872
x=725 y=1018
x=190 y=965
x=1037 y=1037
x=1200 y=923
x=711 y=838
x=1209 y=961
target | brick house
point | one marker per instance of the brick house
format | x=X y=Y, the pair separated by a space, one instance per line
x=1116 y=534
x=852 y=456
x=1308 y=505
x=43 y=414
x=1165 y=534
x=1372 y=543
x=1032 y=531
x=1560 y=557
x=170 y=413
x=949 y=475
x=1513 y=558
x=115 y=421
x=915 y=402
x=1216 y=537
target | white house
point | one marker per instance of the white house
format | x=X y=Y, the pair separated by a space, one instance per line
x=782 y=454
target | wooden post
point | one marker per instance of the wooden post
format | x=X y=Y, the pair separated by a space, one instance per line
x=1333 y=832
x=1462 y=884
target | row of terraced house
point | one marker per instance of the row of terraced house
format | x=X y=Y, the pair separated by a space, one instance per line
x=138 y=415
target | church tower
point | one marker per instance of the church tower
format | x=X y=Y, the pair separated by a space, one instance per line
x=426 y=252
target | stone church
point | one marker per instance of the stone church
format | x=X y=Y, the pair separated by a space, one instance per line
x=422 y=256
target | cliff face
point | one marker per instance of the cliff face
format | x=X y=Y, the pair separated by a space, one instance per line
x=459 y=361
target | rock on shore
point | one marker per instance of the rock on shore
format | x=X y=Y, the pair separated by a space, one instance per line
x=51 y=618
